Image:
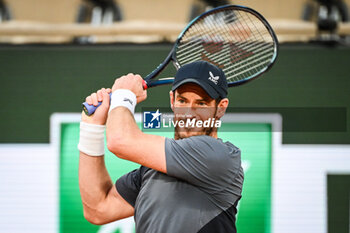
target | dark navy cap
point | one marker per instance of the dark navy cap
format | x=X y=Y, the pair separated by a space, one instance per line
x=211 y=78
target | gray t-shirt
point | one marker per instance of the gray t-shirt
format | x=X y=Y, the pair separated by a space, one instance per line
x=199 y=193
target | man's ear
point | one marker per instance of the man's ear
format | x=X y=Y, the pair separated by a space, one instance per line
x=221 y=109
x=171 y=95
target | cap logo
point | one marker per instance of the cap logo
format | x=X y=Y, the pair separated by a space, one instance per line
x=213 y=78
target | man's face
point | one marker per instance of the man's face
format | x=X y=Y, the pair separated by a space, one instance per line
x=190 y=101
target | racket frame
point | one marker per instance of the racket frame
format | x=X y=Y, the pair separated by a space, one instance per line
x=172 y=54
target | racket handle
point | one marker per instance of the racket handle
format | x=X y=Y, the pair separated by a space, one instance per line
x=90 y=109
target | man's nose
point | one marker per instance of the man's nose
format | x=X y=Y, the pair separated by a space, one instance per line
x=190 y=111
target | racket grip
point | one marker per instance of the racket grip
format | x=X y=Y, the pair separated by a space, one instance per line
x=90 y=109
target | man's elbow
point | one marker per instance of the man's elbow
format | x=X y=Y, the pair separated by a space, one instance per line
x=117 y=145
x=93 y=218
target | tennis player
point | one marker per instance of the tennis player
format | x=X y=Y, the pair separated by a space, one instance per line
x=191 y=183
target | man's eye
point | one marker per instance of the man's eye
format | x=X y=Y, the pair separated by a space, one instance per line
x=201 y=103
x=181 y=101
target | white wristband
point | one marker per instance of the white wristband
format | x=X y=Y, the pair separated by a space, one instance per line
x=91 y=140
x=125 y=98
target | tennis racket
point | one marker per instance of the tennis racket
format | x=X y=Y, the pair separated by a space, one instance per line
x=236 y=39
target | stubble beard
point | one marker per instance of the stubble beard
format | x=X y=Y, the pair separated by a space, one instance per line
x=182 y=132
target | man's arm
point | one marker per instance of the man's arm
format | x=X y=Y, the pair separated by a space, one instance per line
x=101 y=201
x=127 y=141
x=124 y=138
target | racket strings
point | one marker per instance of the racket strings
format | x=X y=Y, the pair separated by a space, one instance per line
x=263 y=56
x=236 y=41
x=242 y=63
x=192 y=46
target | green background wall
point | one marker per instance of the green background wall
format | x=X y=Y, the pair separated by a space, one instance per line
x=254 y=213
x=309 y=85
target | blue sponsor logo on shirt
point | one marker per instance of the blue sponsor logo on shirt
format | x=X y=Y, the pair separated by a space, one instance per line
x=152 y=120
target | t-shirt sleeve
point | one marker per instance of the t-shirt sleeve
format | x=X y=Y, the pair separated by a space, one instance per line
x=202 y=161
x=128 y=186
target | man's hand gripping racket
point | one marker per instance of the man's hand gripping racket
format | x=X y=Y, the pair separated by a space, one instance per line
x=236 y=39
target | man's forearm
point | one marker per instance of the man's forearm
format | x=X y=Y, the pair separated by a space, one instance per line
x=121 y=130
x=94 y=181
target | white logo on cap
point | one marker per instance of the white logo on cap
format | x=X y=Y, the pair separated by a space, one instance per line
x=213 y=78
